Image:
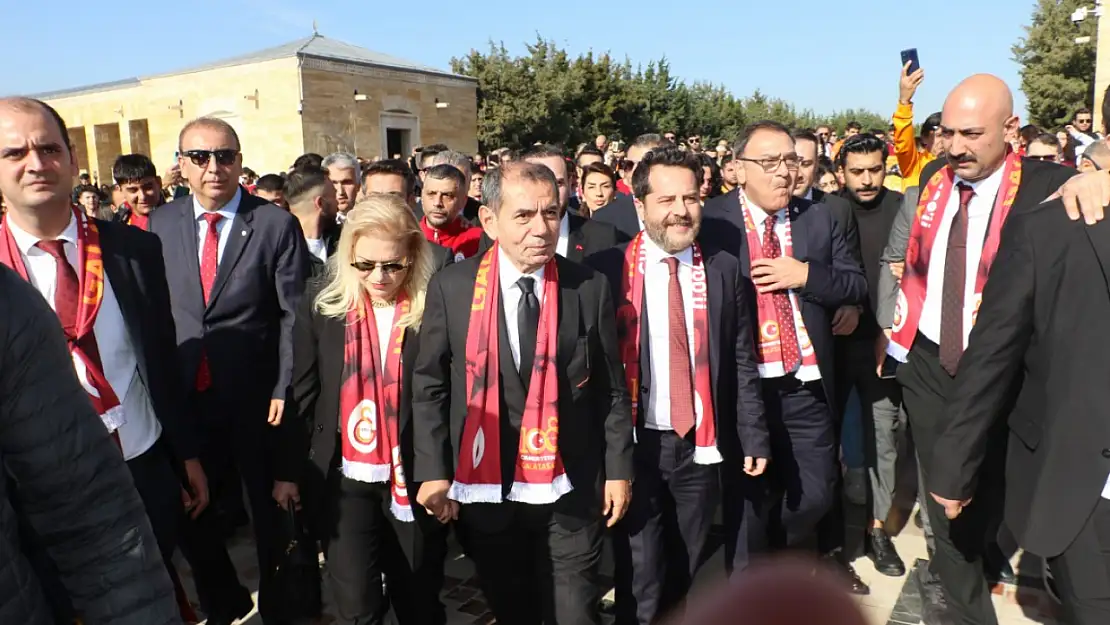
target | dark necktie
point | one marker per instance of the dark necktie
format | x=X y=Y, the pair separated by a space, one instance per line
x=955 y=283
x=682 y=383
x=66 y=287
x=527 y=321
x=209 y=264
x=788 y=334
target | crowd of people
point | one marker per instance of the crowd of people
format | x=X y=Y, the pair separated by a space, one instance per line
x=546 y=352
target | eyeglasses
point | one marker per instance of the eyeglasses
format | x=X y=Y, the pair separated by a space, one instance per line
x=771 y=163
x=200 y=158
x=1047 y=158
x=388 y=267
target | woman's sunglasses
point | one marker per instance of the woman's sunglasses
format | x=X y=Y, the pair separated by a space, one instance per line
x=368 y=266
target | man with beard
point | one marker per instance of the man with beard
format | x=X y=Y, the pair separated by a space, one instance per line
x=443 y=199
x=137 y=180
x=311 y=198
x=862 y=165
x=693 y=378
x=953 y=241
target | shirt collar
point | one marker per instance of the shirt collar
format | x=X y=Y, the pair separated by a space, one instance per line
x=759 y=215
x=656 y=254
x=26 y=241
x=809 y=194
x=987 y=187
x=509 y=274
x=228 y=210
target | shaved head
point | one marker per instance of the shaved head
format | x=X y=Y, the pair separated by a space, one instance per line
x=1099 y=153
x=977 y=117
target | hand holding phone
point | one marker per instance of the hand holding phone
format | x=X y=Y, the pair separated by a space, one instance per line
x=911 y=78
x=910 y=56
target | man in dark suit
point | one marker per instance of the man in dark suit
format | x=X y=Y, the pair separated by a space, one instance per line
x=236 y=269
x=967 y=197
x=678 y=453
x=1033 y=364
x=534 y=489
x=800 y=273
x=621 y=212
x=123 y=347
x=578 y=237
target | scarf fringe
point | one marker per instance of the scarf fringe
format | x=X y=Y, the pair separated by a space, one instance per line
x=707 y=455
x=402 y=513
x=539 y=494
x=114 y=418
x=475 y=493
x=366 y=472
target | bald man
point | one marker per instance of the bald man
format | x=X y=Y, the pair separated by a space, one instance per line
x=1095 y=158
x=965 y=199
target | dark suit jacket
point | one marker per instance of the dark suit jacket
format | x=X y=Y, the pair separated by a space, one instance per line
x=133 y=264
x=733 y=372
x=836 y=278
x=621 y=214
x=585 y=237
x=246 y=329
x=595 y=428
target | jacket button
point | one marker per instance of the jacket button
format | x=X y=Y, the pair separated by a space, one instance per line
x=1106 y=453
x=311 y=453
x=319 y=428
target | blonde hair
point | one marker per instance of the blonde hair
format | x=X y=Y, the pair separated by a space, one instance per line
x=389 y=217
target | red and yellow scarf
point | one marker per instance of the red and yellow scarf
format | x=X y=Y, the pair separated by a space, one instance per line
x=628 y=318
x=931 y=209
x=82 y=347
x=539 y=477
x=369 y=404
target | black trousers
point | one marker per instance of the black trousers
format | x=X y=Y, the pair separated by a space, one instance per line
x=535 y=569
x=665 y=529
x=159 y=487
x=781 y=508
x=959 y=543
x=229 y=439
x=365 y=541
x=1082 y=572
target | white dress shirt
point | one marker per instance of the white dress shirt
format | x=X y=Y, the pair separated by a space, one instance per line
x=657 y=279
x=508 y=275
x=978 y=220
x=776 y=370
x=316 y=247
x=141 y=428
x=383 y=322
x=564 y=236
x=223 y=227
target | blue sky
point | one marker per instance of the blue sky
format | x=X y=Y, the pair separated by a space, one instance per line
x=819 y=54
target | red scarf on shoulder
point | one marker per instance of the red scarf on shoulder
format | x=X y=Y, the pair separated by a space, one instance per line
x=369 y=404
x=539 y=477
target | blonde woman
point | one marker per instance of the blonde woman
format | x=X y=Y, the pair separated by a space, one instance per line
x=354 y=345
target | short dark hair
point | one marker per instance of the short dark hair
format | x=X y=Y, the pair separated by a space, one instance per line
x=302 y=181
x=308 y=161
x=493 y=183
x=392 y=167
x=1047 y=138
x=212 y=123
x=1029 y=132
x=806 y=135
x=270 y=183
x=1081 y=111
x=447 y=172
x=853 y=125
x=542 y=150
x=599 y=168
x=87 y=188
x=751 y=129
x=930 y=124
x=589 y=149
x=862 y=143
x=430 y=151
x=23 y=104
x=877 y=131
x=649 y=140
x=662 y=157
x=133 y=168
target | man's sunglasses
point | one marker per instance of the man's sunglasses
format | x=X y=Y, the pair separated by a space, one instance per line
x=200 y=158
x=388 y=268
x=1047 y=158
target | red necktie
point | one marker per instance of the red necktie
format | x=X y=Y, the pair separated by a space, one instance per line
x=209 y=264
x=955 y=281
x=788 y=335
x=682 y=382
x=66 y=287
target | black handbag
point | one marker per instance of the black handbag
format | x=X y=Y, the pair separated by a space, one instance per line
x=296 y=582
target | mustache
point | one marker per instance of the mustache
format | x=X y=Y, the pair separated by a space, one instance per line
x=679 y=221
x=960 y=159
x=866 y=189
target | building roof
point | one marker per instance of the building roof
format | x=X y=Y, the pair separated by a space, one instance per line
x=315 y=46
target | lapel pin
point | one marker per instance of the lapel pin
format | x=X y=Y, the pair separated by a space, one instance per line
x=243 y=233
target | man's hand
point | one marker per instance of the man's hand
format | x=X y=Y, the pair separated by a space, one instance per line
x=897 y=269
x=754 y=466
x=845 y=320
x=618 y=493
x=433 y=496
x=909 y=83
x=195 y=498
x=287 y=494
x=1085 y=195
x=881 y=342
x=779 y=274
x=952 y=507
x=277 y=408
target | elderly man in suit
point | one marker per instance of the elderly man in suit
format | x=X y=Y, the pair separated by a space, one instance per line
x=521 y=418
x=236 y=268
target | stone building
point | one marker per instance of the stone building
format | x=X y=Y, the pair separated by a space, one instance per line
x=312 y=95
x=1102 y=67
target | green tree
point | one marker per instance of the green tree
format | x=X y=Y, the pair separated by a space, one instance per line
x=1057 y=74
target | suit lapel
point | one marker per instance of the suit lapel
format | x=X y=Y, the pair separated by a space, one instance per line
x=125 y=286
x=568 y=322
x=190 y=254
x=1099 y=235
x=715 y=285
x=237 y=240
x=576 y=241
x=797 y=231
